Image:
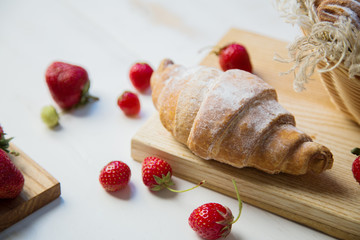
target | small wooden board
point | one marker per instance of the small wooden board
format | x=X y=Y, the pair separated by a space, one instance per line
x=40 y=188
x=329 y=202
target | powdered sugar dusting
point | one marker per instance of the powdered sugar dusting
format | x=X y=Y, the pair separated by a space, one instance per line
x=250 y=127
x=190 y=99
x=228 y=96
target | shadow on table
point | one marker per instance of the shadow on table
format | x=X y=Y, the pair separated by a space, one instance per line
x=16 y=229
x=125 y=194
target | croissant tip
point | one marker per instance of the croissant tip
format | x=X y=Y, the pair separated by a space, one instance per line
x=321 y=161
x=165 y=63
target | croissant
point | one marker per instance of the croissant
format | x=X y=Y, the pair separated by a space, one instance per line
x=330 y=10
x=233 y=117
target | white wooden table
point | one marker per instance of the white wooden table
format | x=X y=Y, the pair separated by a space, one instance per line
x=107 y=37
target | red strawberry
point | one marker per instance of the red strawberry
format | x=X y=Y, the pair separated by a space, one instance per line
x=213 y=220
x=68 y=84
x=157 y=173
x=140 y=74
x=11 y=179
x=115 y=176
x=356 y=164
x=129 y=103
x=234 y=56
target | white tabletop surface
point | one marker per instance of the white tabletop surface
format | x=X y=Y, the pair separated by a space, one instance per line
x=106 y=37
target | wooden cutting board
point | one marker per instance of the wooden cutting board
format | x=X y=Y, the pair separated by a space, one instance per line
x=40 y=188
x=329 y=202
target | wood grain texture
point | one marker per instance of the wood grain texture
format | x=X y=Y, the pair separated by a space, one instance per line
x=40 y=188
x=328 y=202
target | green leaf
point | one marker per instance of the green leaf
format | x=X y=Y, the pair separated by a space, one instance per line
x=162 y=182
x=169 y=183
x=356 y=151
x=157 y=188
x=4 y=143
x=158 y=180
x=167 y=178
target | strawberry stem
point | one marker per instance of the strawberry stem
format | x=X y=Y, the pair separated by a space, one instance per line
x=180 y=191
x=85 y=96
x=14 y=153
x=93 y=98
x=356 y=151
x=239 y=200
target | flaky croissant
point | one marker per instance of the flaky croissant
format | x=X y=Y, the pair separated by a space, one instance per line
x=233 y=117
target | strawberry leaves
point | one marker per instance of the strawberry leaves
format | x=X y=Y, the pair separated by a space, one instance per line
x=5 y=143
x=356 y=151
x=162 y=182
x=85 y=96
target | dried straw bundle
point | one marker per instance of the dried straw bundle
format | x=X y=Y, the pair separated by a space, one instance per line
x=333 y=48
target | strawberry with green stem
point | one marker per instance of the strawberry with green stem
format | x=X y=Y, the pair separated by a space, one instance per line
x=213 y=220
x=156 y=174
x=69 y=85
